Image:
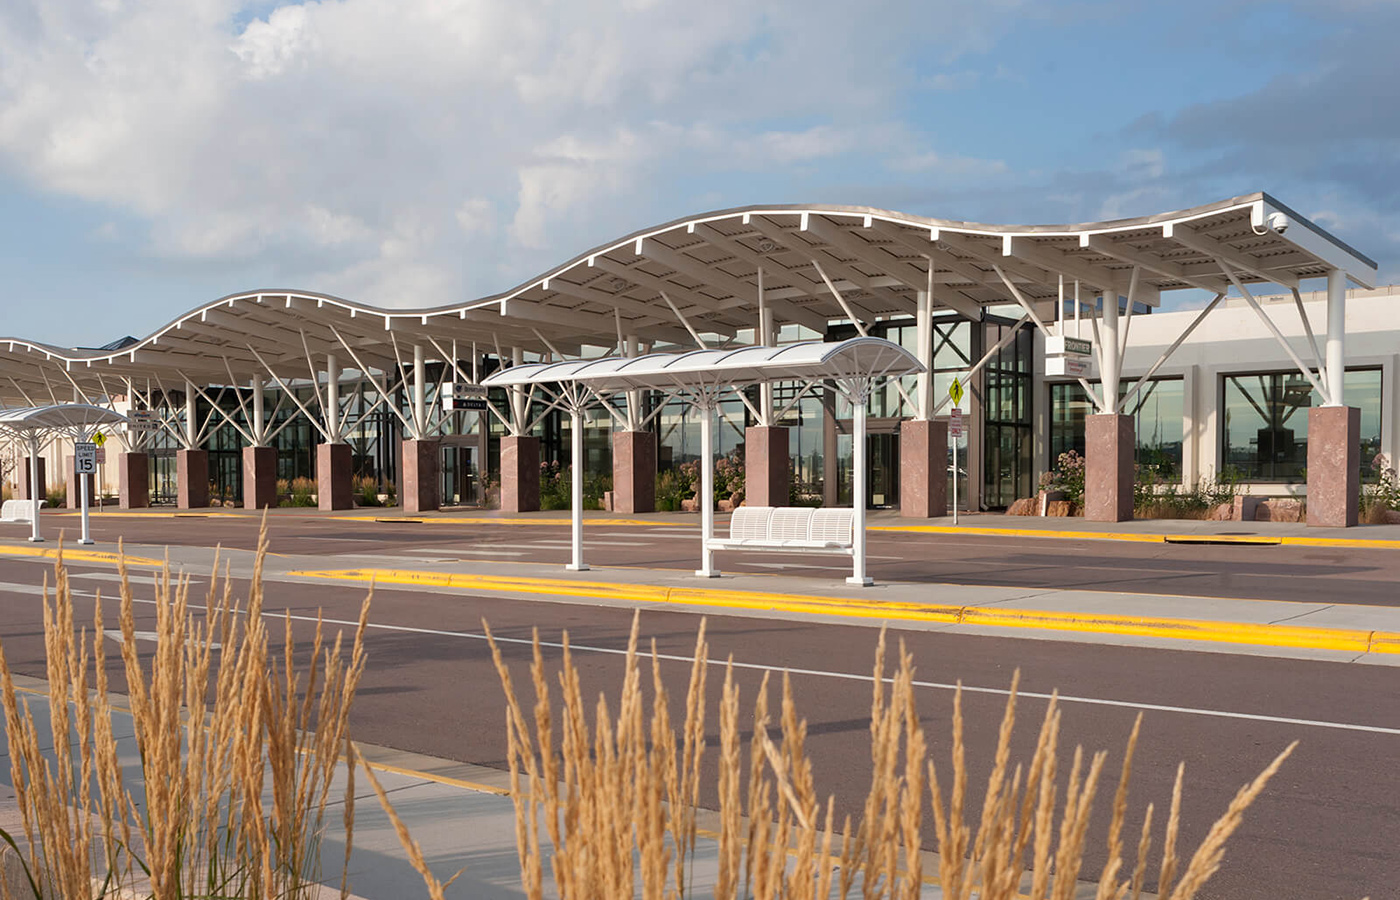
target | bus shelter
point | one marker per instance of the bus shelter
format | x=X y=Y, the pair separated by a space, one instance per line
x=35 y=426
x=702 y=377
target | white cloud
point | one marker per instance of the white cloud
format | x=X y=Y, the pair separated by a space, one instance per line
x=410 y=151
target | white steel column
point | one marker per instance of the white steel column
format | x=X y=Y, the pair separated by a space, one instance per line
x=630 y=345
x=858 y=576
x=333 y=396
x=576 y=486
x=1110 y=362
x=1336 y=336
x=767 y=337
x=923 y=332
x=259 y=413
x=35 y=490
x=191 y=422
x=420 y=391
x=706 y=496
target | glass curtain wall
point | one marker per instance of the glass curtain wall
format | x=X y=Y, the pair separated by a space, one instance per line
x=1006 y=404
x=1265 y=433
x=1158 y=412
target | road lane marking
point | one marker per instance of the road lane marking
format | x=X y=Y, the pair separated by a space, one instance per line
x=855 y=676
x=71 y=556
x=1261 y=634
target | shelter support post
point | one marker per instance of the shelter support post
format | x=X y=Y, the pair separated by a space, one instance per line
x=576 y=489
x=1334 y=430
x=36 y=488
x=923 y=468
x=1109 y=444
x=134 y=480
x=259 y=477
x=767 y=466
x=419 y=473
x=634 y=471
x=858 y=576
x=706 y=496
x=520 y=473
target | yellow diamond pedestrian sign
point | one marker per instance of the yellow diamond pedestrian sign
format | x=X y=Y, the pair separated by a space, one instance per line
x=99 y=439
x=955 y=390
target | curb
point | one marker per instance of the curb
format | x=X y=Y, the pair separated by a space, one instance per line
x=1267 y=635
x=70 y=555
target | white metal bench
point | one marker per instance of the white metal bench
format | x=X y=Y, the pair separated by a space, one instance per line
x=19 y=510
x=789 y=529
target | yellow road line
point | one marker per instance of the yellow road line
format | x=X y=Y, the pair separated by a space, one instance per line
x=1295 y=636
x=71 y=555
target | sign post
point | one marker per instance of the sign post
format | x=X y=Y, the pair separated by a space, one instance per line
x=100 y=440
x=84 y=464
x=955 y=431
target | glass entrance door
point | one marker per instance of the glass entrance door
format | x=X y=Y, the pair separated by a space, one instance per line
x=881 y=469
x=461 y=482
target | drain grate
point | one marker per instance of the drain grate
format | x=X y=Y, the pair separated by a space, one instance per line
x=1233 y=539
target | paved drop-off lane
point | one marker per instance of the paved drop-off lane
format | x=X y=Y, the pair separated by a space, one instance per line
x=1329 y=826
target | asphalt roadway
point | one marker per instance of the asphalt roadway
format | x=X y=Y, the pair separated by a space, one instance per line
x=1327 y=827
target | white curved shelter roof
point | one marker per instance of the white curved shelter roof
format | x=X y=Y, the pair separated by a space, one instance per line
x=814 y=263
x=66 y=417
x=860 y=357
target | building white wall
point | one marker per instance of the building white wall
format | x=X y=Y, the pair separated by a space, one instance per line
x=1233 y=339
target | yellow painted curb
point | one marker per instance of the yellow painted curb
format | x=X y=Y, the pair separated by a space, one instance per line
x=491 y=520
x=1296 y=636
x=71 y=555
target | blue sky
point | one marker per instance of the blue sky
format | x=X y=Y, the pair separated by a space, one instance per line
x=156 y=155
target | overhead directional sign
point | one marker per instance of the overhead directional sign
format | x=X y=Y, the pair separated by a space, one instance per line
x=85 y=458
x=141 y=420
x=955 y=391
x=1073 y=366
x=1063 y=345
x=463 y=396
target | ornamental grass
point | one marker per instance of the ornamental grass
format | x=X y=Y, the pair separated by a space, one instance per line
x=610 y=792
x=238 y=746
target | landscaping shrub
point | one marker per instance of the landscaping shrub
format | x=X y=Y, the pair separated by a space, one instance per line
x=367 y=491
x=301 y=492
x=1067 y=476
x=57 y=495
x=1381 y=493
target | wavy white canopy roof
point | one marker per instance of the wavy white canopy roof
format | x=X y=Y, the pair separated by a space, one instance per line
x=704 y=273
x=861 y=357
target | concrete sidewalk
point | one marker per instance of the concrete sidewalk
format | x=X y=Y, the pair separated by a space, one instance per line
x=461 y=815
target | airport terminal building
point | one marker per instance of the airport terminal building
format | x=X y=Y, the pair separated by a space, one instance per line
x=1278 y=369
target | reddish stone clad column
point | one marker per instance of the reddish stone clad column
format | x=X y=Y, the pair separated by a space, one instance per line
x=192 y=479
x=520 y=474
x=333 y=481
x=420 y=476
x=1334 y=466
x=923 y=468
x=767 y=466
x=25 y=493
x=259 y=477
x=134 y=480
x=1109 y=441
x=634 y=471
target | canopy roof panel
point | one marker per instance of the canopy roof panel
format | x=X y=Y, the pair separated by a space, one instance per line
x=78 y=417
x=811 y=265
x=860 y=357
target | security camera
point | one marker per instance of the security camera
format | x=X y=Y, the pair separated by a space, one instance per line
x=1277 y=222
